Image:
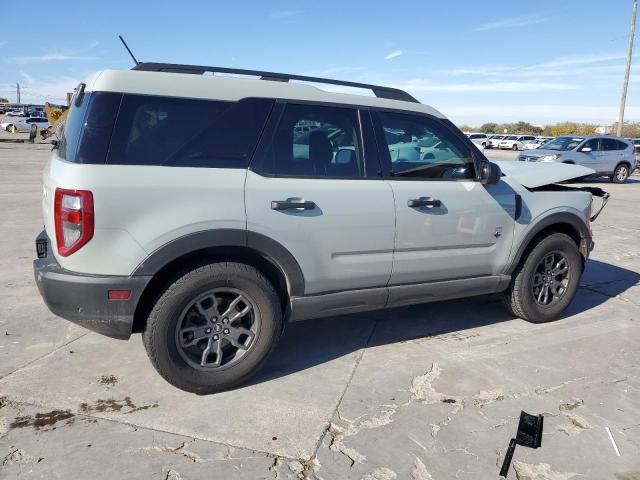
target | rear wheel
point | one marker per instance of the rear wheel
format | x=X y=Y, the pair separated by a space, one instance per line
x=213 y=328
x=546 y=281
x=620 y=174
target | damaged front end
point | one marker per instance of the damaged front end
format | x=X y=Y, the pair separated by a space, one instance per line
x=594 y=191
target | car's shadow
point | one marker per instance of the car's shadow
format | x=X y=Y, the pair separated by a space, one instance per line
x=309 y=343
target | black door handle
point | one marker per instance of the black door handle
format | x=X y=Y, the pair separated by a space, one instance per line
x=292 y=205
x=423 y=202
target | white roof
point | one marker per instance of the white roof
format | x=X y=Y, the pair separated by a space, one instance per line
x=221 y=87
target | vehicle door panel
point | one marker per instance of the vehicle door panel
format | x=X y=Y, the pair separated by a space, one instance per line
x=345 y=239
x=468 y=231
x=589 y=159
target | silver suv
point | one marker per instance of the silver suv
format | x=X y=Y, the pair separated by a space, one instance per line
x=607 y=156
x=209 y=237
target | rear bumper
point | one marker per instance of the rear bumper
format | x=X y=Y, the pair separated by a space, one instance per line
x=83 y=299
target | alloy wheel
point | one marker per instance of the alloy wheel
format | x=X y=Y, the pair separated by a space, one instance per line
x=622 y=173
x=550 y=279
x=217 y=329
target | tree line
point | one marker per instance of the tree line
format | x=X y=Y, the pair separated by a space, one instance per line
x=630 y=129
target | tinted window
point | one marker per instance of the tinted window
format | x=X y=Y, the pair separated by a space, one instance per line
x=592 y=144
x=97 y=127
x=153 y=130
x=316 y=141
x=613 y=144
x=72 y=129
x=425 y=148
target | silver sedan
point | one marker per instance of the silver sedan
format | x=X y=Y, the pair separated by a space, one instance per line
x=25 y=125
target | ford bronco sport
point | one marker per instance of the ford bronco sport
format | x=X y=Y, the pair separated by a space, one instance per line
x=195 y=209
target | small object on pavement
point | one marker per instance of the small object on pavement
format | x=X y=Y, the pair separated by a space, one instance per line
x=613 y=442
x=529 y=434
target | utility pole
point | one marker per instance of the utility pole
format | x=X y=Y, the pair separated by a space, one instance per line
x=623 y=100
x=18 y=93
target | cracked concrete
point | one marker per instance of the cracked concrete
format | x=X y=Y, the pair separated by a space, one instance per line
x=540 y=471
x=427 y=392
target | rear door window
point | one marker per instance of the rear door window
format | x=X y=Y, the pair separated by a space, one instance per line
x=316 y=141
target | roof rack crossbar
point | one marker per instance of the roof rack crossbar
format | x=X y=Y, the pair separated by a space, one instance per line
x=378 y=91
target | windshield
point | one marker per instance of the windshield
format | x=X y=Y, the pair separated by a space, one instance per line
x=511 y=137
x=563 y=143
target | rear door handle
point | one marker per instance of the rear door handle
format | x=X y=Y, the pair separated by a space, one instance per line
x=423 y=202
x=292 y=205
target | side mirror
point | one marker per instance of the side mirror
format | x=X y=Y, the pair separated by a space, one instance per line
x=586 y=149
x=489 y=173
x=344 y=156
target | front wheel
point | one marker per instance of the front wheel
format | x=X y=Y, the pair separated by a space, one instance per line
x=213 y=328
x=546 y=281
x=620 y=174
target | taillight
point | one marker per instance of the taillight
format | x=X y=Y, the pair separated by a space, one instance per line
x=73 y=216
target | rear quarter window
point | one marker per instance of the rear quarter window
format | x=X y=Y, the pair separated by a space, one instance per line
x=72 y=129
x=87 y=129
x=170 y=131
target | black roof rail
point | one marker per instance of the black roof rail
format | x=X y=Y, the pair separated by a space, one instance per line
x=379 y=91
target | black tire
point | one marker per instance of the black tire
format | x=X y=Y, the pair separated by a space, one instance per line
x=160 y=339
x=519 y=297
x=620 y=174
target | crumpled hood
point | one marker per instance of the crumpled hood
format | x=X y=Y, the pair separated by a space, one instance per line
x=532 y=175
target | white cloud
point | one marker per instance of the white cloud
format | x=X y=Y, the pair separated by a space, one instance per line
x=521 y=21
x=28 y=78
x=285 y=14
x=51 y=90
x=427 y=86
x=536 y=114
x=394 y=54
x=57 y=56
x=49 y=57
x=577 y=68
x=580 y=60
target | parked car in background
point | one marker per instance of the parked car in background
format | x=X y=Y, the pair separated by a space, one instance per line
x=480 y=139
x=515 y=142
x=494 y=141
x=537 y=143
x=25 y=125
x=636 y=144
x=608 y=156
x=15 y=113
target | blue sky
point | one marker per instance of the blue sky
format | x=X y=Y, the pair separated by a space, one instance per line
x=542 y=61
